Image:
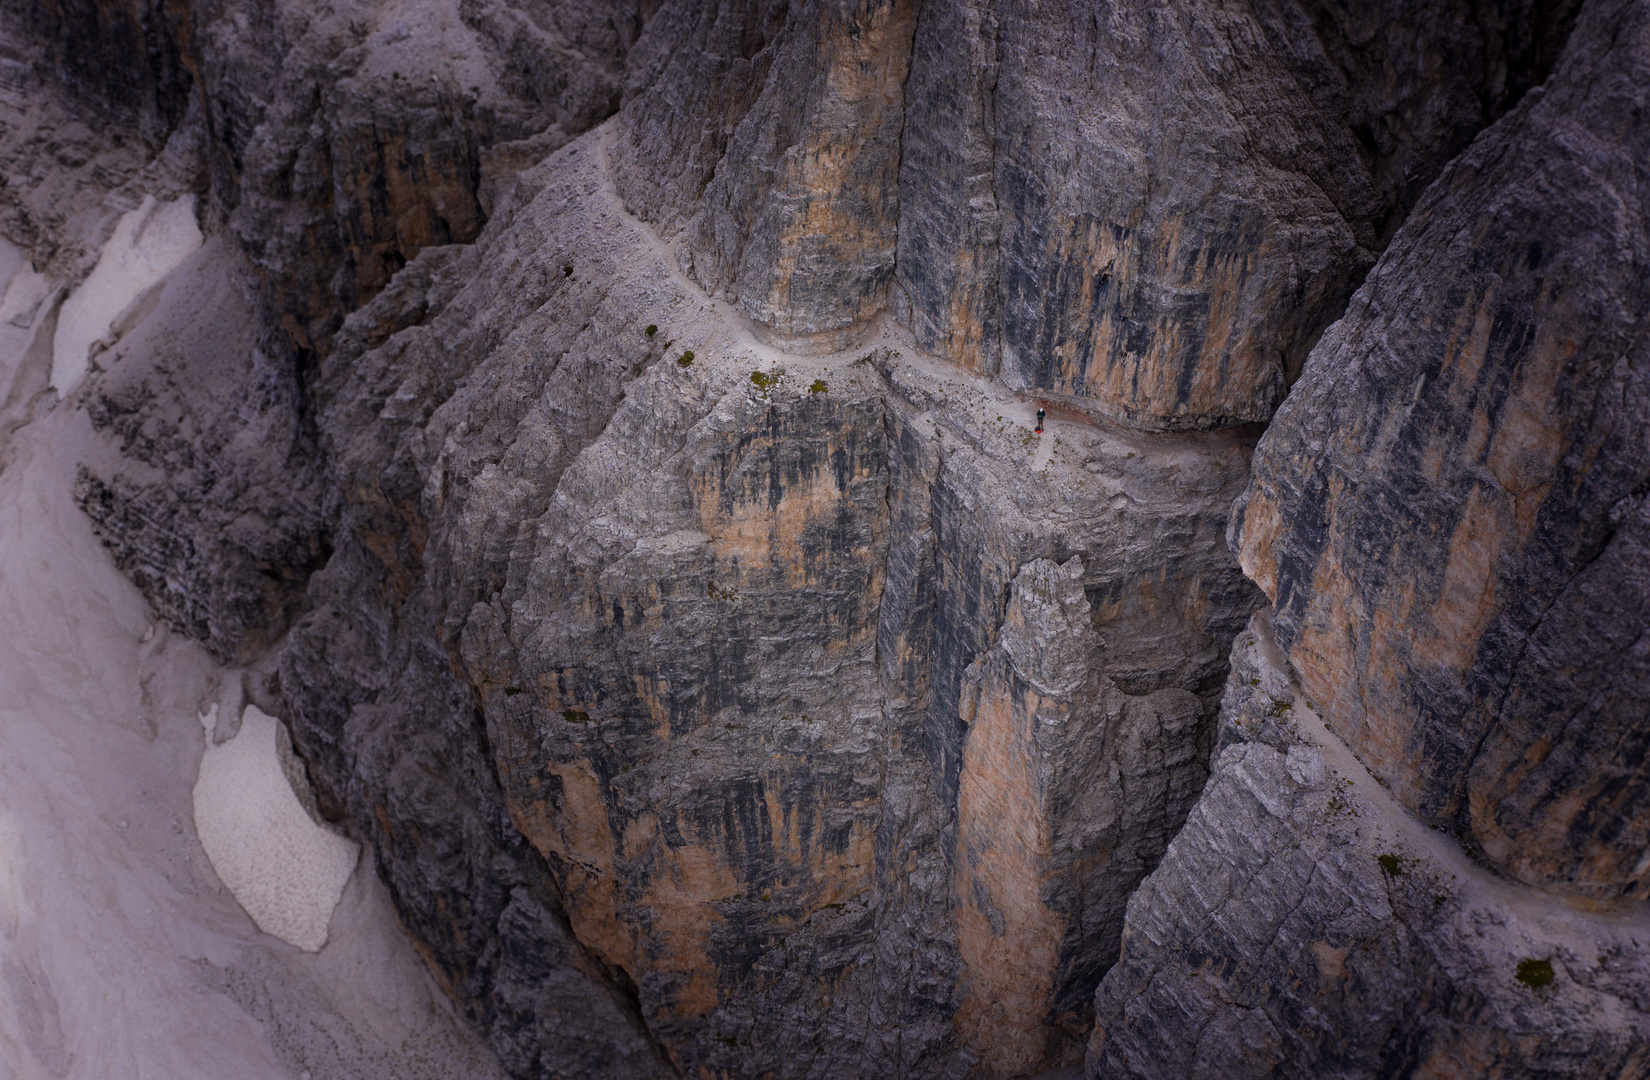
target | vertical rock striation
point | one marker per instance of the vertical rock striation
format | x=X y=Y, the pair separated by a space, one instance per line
x=1445 y=874
x=1303 y=924
x=721 y=617
x=728 y=681
x=791 y=209
x=1449 y=513
x=1156 y=211
x=345 y=141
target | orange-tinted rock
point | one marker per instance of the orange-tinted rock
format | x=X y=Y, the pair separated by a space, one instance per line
x=1067 y=788
x=1304 y=925
x=791 y=208
x=1157 y=210
x=1449 y=511
x=691 y=734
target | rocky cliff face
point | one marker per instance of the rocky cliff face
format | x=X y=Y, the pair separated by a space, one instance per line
x=639 y=504
x=1304 y=924
x=1154 y=212
x=705 y=595
x=1448 y=510
x=1445 y=514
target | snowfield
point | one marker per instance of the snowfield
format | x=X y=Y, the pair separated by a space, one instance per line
x=286 y=870
x=124 y=955
x=148 y=243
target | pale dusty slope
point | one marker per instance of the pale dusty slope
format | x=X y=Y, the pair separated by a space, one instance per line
x=121 y=955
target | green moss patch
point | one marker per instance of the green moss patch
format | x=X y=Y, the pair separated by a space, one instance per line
x=1535 y=973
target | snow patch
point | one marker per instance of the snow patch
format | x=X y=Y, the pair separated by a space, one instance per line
x=286 y=871
x=147 y=244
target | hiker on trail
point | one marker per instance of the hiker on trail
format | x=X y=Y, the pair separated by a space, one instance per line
x=1040 y=411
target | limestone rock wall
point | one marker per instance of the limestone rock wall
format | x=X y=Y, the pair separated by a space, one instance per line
x=792 y=207
x=1155 y=210
x=386 y=719
x=726 y=677
x=332 y=145
x=199 y=414
x=1304 y=924
x=1426 y=857
x=1052 y=220
x=1449 y=511
x=727 y=619
x=344 y=140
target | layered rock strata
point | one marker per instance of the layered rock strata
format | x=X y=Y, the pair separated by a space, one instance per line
x=1444 y=874
x=732 y=618
x=1154 y=212
x=792 y=207
x=335 y=145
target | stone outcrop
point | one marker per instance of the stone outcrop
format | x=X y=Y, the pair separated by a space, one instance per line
x=1449 y=512
x=1156 y=211
x=792 y=207
x=1303 y=924
x=336 y=145
x=201 y=417
x=1442 y=876
x=610 y=425
x=730 y=619
x=344 y=140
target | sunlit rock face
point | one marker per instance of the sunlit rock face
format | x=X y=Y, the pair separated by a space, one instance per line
x=614 y=431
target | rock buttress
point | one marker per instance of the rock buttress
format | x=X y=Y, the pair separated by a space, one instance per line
x=722 y=621
x=1449 y=512
x=791 y=208
x=1448 y=515
x=1303 y=924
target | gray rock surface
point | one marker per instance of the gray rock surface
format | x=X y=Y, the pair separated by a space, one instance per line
x=1304 y=924
x=1449 y=512
x=725 y=677
x=203 y=422
x=1156 y=210
x=792 y=207
x=345 y=138
x=1052 y=220
x=719 y=618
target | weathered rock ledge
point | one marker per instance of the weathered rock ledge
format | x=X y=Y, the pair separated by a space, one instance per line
x=1305 y=924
